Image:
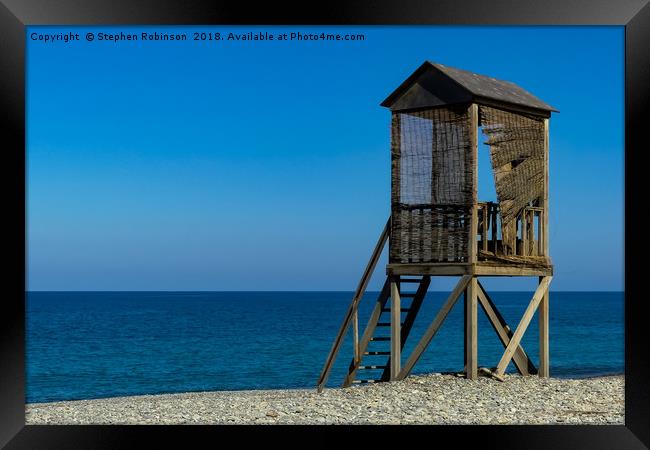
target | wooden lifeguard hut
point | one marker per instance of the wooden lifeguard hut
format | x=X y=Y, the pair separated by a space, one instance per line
x=439 y=227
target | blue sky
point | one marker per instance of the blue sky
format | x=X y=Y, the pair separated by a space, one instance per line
x=265 y=165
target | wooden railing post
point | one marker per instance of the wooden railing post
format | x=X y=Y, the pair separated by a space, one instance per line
x=524 y=232
x=493 y=208
x=484 y=231
x=540 y=233
x=355 y=335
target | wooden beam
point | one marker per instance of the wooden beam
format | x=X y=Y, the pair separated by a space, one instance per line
x=523 y=324
x=369 y=331
x=544 y=304
x=511 y=107
x=481 y=268
x=543 y=335
x=471 y=331
x=473 y=227
x=428 y=269
x=395 y=329
x=485 y=269
x=546 y=193
x=523 y=363
x=358 y=294
x=433 y=328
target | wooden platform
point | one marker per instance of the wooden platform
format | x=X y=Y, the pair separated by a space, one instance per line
x=487 y=268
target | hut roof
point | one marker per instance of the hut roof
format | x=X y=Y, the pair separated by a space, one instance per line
x=434 y=84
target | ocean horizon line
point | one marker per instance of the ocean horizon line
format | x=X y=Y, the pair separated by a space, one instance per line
x=281 y=291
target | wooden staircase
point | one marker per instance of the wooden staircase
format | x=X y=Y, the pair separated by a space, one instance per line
x=380 y=320
x=368 y=348
x=352 y=314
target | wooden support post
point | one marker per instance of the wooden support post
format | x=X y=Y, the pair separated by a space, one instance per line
x=465 y=305
x=544 y=305
x=523 y=324
x=395 y=329
x=473 y=228
x=434 y=327
x=471 y=317
x=544 y=222
x=543 y=335
x=471 y=330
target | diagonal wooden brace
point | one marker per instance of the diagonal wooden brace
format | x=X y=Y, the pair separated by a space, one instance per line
x=522 y=362
x=523 y=325
x=433 y=328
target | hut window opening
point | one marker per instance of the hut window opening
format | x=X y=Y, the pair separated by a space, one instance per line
x=516 y=146
x=487 y=197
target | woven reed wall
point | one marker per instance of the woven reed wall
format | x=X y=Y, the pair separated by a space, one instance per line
x=517 y=153
x=432 y=176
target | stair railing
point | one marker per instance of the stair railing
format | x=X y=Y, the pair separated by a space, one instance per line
x=352 y=314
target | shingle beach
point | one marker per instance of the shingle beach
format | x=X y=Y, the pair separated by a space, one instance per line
x=425 y=399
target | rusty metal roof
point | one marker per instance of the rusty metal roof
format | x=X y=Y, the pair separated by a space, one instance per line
x=425 y=87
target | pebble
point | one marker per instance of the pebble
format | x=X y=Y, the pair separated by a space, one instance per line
x=422 y=399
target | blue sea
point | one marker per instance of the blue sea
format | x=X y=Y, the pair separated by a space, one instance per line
x=83 y=345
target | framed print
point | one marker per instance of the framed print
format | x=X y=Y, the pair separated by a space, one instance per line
x=363 y=217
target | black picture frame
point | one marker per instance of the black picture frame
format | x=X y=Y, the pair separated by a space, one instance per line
x=15 y=15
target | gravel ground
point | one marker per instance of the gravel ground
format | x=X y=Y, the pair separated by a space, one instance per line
x=428 y=399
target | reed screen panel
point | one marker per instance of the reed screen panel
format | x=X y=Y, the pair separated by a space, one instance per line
x=517 y=153
x=432 y=176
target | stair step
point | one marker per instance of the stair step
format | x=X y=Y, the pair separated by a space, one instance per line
x=380 y=338
x=386 y=324
x=376 y=353
x=372 y=367
x=364 y=381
